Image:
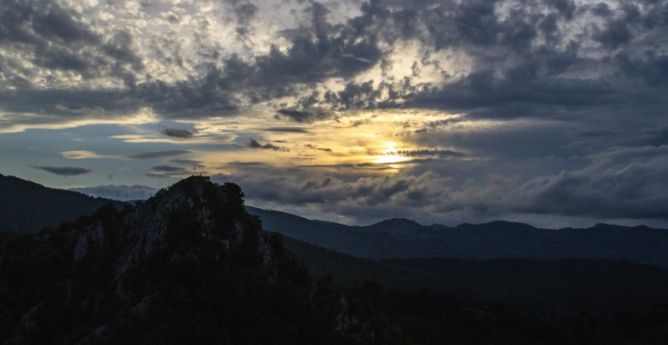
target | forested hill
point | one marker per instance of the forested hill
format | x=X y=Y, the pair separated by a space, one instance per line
x=26 y=207
x=403 y=238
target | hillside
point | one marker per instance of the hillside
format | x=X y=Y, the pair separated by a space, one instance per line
x=188 y=266
x=564 y=286
x=26 y=207
x=401 y=238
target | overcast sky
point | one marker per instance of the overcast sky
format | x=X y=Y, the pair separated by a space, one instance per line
x=550 y=112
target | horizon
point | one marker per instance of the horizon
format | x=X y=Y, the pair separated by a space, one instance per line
x=551 y=113
x=125 y=194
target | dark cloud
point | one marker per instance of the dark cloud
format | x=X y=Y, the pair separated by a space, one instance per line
x=158 y=154
x=178 y=133
x=622 y=183
x=245 y=13
x=246 y=163
x=162 y=171
x=430 y=152
x=303 y=115
x=55 y=38
x=35 y=22
x=316 y=147
x=64 y=171
x=537 y=66
x=365 y=166
x=254 y=144
x=167 y=168
x=286 y=129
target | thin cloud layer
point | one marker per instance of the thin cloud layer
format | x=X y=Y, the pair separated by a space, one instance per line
x=158 y=154
x=178 y=133
x=64 y=171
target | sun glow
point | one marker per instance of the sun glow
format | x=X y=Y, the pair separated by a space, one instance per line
x=389 y=154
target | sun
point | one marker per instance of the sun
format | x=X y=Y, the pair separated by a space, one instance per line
x=389 y=154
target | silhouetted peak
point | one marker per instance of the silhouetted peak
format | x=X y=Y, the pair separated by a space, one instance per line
x=498 y=225
x=199 y=192
x=191 y=187
x=396 y=222
x=509 y=224
x=193 y=213
x=603 y=226
x=401 y=228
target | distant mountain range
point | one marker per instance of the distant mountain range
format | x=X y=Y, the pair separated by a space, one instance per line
x=26 y=207
x=402 y=238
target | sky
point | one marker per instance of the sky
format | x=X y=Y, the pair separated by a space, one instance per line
x=551 y=112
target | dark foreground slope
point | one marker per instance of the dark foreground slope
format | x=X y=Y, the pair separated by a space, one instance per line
x=188 y=266
x=26 y=207
x=402 y=238
x=561 y=286
x=505 y=301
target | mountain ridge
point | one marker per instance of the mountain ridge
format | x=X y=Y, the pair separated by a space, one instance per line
x=188 y=265
x=19 y=198
x=404 y=238
x=497 y=239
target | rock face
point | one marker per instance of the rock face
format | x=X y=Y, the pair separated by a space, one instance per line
x=188 y=266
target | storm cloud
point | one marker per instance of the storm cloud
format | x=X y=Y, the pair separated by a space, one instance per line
x=518 y=60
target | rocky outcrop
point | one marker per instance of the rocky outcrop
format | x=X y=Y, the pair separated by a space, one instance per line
x=188 y=262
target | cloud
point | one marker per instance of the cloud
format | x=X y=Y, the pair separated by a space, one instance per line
x=54 y=37
x=621 y=183
x=158 y=154
x=178 y=133
x=64 y=171
x=625 y=184
x=429 y=152
x=303 y=115
x=286 y=129
x=316 y=147
x=254 y=144
x=80 y=154
x=550 y=59
x=168 y=171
